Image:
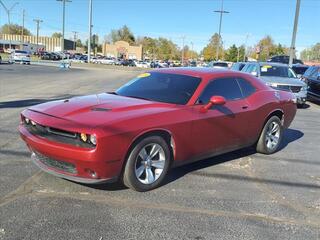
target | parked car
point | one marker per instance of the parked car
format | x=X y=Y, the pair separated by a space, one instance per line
x=160 y=119
x=308 y=73
x=218 y=64
x=128 y=63
x=141 y=64
x=299 y=69
x=0 y=60
x=18 y=56
x=279 y=76
x=237 y=66
x=284 y=59
x=312 y=78
x=107 y=61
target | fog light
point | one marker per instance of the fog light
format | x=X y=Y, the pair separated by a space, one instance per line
x=83 y=137
x=92 y=173
x=93 y=139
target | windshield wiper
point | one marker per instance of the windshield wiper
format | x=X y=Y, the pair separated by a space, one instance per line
x=114 y=93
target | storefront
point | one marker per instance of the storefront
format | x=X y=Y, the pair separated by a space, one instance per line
x=123 y=50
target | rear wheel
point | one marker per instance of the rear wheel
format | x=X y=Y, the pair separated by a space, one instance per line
x=271 y=136
x=147 y=164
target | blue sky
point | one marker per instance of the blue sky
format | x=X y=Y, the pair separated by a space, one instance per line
x=194 y=19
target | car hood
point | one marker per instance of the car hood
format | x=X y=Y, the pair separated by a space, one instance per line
x=94 y=110
x=283 y=81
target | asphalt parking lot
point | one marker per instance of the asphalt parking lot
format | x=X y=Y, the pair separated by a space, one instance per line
x=240 y=195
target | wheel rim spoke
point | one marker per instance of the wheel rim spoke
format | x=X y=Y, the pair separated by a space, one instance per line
x=143 y=154
x=140 y=170
x=272 y=135
x=154 y=150
x=149 y=176
x=158 y=164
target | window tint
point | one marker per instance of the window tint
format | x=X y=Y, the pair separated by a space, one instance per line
x=225 y=87
x=161 y=87
x=246 y=87
x=276 y=71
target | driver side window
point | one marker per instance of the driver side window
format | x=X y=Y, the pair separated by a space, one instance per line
x=225 y=87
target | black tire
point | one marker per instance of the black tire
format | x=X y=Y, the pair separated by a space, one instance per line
x=262 y=146
x=129 y=176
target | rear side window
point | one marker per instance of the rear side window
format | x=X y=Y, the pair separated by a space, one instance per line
x=225 y=87
x=246 y=87
x=309 y=71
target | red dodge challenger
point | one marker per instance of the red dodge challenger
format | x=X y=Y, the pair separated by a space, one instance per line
x=160 y=119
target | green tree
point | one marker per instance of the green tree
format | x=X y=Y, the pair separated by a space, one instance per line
x=311 y=54
x=14 y=29
x=124 y=34
x=234 y=53
x=149 y=46
x=267 y=48
x=166 y=49
x=56 y=35
x=209 y=52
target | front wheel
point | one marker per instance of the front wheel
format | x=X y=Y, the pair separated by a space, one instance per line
x=147 y=164
x=271 y=136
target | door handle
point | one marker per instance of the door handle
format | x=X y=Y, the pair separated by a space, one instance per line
x=245 y=107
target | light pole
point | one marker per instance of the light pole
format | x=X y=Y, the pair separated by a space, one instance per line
x=294 y=33
x=221 y=11
x=245 y=48
x=192 y=50
x=63 y=20
x=8 y=11
x=90 y=30
x=38 y=21
x=74 y=39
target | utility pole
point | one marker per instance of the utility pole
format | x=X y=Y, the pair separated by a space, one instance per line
x=294 y=33
x=74 y=39
x=182 y=52
x=22 y=30
x=63 y=20
x=221 y=11
x=90 y=30
x=38 y=21
x=8 y=11
x=245 y=48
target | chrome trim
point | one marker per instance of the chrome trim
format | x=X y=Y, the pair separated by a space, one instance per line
x=68 y=177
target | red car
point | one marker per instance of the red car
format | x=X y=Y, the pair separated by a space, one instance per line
x=160 y=119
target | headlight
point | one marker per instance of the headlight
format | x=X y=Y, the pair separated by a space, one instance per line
x=93 y=139
x=87 y=138
x=27 y=120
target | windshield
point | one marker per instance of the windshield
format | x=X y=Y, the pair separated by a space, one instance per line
x=161 y=87
x=276 y=71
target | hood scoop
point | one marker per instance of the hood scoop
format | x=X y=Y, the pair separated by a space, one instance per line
x=100 y=109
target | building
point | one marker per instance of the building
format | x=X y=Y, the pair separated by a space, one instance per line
x=50 y=44
x=122 y=49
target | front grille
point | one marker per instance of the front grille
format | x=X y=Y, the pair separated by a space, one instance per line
x=57 y=164
x=294 y=89
x=57 y=135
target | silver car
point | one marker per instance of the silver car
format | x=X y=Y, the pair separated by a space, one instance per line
x=279 y=76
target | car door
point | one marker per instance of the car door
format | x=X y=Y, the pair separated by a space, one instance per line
x=314 y=83
x=224 y=127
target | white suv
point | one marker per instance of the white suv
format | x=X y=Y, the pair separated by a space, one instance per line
x=18 y=56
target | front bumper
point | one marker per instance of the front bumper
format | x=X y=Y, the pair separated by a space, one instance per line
x=301 y=97
x=90 y=165
x=35 y=159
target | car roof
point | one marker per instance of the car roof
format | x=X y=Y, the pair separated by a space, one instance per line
x=203 y=73
x=272 y=64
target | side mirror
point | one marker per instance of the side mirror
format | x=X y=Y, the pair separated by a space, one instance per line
x=215 y=100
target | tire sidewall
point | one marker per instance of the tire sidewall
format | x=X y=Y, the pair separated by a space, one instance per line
x=130 y=179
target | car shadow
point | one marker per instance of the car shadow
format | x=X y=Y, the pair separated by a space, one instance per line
x=290 y=135
x=31 y=102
